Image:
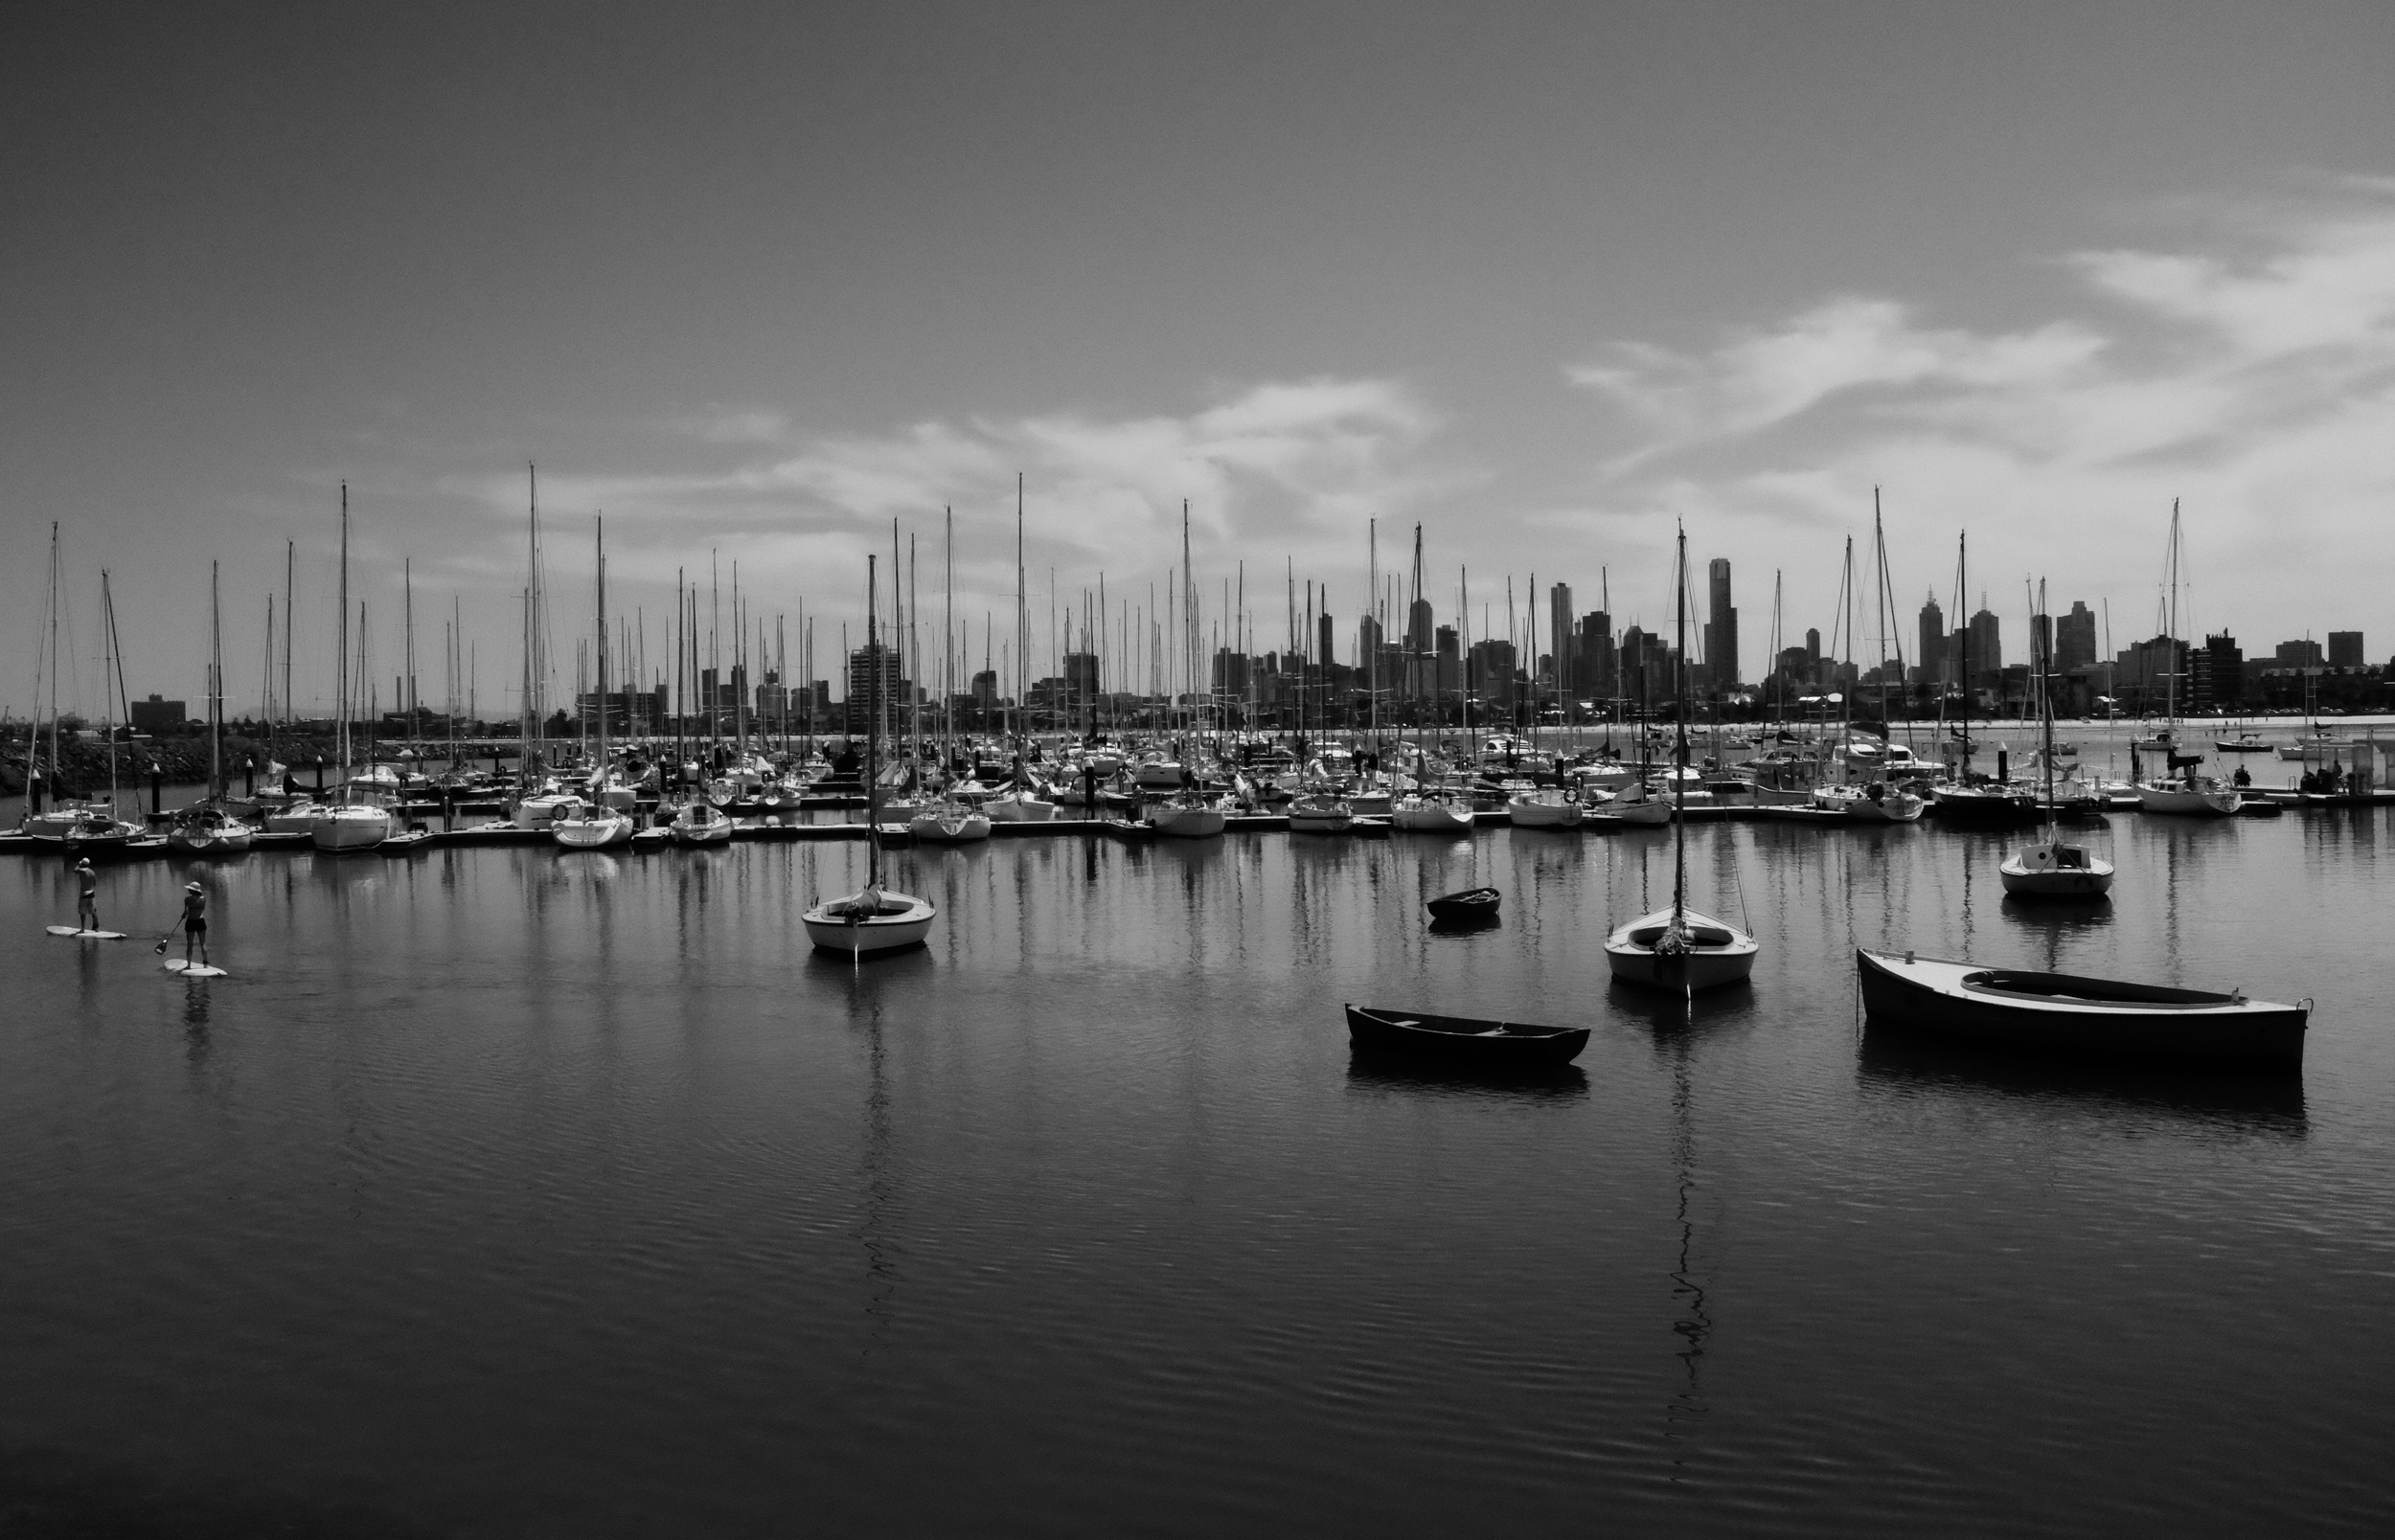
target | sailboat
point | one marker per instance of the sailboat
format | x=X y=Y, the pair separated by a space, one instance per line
x=1679 y=948
x=594 y=825
x=354 y=823
x=2052 y=868
x=2180 y=790
x=872 y=919
x=206 y=827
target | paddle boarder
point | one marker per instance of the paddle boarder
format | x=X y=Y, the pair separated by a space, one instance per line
x=195 y=923
x=87 y=901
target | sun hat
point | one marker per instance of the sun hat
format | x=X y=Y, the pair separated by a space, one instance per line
x=191 y=887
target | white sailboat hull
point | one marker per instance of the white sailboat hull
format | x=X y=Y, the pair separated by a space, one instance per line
x=949 y=827
x=1721 y=954
x=1538 y=812
x=351 y=828
x=1431 y=818
x=594 y=834
x=1190 y=823
x=2188 y=802
x=1021 y=807
x=905 y=920
x=2047 y=872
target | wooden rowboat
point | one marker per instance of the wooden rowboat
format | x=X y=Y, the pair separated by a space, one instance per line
x=1473 y=903
x=1463 y=1039
x=2064 y=1014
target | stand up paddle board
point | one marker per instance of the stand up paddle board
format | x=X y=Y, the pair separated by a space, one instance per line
x=193 y=970
x=85 y=934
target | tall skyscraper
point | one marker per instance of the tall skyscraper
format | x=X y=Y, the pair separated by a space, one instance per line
x=1562 y=635
x=1721 y=635
x=1933 y=668
x=1593 y=655
x=2075 y=638
x=2344 y=649
x=1987 y=647
x=1326 y=654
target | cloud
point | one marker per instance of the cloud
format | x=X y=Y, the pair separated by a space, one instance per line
x=2251 y=375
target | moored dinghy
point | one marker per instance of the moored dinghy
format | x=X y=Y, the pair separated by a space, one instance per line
x=1469 y=905
x=2064 y=1014
x=1463 y=1040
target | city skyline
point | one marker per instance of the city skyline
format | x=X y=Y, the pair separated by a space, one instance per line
x=755 y=283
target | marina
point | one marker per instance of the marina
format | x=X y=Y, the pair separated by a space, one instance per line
x=616 y=1208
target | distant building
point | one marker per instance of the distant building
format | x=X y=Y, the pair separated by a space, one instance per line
x=1489 y=673
x=1592 y=658
x=2345 y=650
x=2075 y=638
x=156 y=716
x=1450 y=663
x=1721 y=633
x=1934 y=645
x=1081 y=676
x=1563 y=636
x=985 y=689
x=1326 y=650
x=1987 y=649
x=873 y=686
x=2304 y=654
x=2219 y=671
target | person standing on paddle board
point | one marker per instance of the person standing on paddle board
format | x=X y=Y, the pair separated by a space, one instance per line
x=87 y=902
x=195 y=923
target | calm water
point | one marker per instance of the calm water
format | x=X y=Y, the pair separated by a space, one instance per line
x=505 y=1192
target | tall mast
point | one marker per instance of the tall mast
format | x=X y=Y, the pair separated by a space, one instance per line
x=341 y=728
x=1022 y=620
x=599 y=528
x=290 y=567
x=1679 y=770
x=872 y=736
x=215 y=689
x=108 y=699
x=2170 y=687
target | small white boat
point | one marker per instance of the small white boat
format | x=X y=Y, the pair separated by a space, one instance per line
x=1543 y=810
x=1645 y=813
x=2194 y=796
x=1875 y=804
x=1318 y=814
x=949 y=823
x=209 y=831
x=700 y=822
x=1020 y=807
x=593 y=830
x=346 y=826
x=1193 y=818
x=1429 y=815
x=1157 y=773
x=544 y=808
x=1680 y=949
x=2054 y=870
x=294 y=817
x=869 y=920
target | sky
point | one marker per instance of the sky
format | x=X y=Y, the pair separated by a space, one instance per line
x=1550 y=281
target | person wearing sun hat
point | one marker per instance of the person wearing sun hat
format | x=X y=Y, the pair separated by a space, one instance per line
x=194 y=921
x=87 y=899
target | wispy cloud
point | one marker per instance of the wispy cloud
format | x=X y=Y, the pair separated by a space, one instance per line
x=2252 y=375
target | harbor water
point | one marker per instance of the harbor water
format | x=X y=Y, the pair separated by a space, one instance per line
x=510 y=1191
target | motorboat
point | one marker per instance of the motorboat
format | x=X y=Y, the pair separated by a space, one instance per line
x=2243 y=743
x=1315 y=813
x=2056 y=869
x=2064 y=1014
x=545 y=808
x=295 y=817
x=1985 y=803
x=1543 y=810
x=699 y=822
x=1462 y=1040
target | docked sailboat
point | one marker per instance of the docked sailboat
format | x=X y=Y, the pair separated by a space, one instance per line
x=872 y=919
x=2182 y=790
x=359 y=820
x=1679 y=948
x=699 y=822
x=1320 y=813
x=1543 y=810
x=1190 y=817
x=208 y=829
x=597 y=824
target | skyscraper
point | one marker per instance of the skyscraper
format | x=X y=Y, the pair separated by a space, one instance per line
x=1721 y=636
x=1593 y=655
x=2344 y=649
x=2075 y=638
x=1987 y=647
x=1562 y=636
x=1932 y=641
